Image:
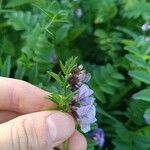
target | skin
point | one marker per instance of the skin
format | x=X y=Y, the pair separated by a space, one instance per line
x=24 y=126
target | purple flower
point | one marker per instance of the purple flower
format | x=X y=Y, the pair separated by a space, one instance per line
x=99 y=136
x=146 y=26
x=78 y=77
x=86 y=116
x=84 y=77
x=82 y=104
x=84 y=91
x=78 y=12
x=84 y=107
x=85 y=113
x=147 y=39
x=87 y=101
x=53 y=58
x=147 y=116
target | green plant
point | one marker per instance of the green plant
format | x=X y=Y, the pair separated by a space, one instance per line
x=107 y=38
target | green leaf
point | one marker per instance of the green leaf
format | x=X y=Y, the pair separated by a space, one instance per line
x=58 y=99
x=15 y=3
x=75 y=32
x=135 y=111
x=123 y=138
x=90 y=144
x=99 y=95
x=107 y=12
x=143 y=76
x=62 y=33
x=33 y=73
x=20 y=71
x=136 y=60
x=132 y=49
x=5 y=71
x=143 y=95
x=70 y=95
x=21 y=20
x=8 y=47
x=141 y=139
x=56 y=77
x=69 y=65
x=107 y=89
x=118 y=76
x=62 y=67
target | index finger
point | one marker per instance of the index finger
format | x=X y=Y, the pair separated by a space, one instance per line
x=20 y=96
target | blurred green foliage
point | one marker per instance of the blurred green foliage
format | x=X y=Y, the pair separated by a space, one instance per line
x=106 y=36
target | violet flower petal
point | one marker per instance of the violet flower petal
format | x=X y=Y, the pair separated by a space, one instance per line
x=83 y=110
x=99 y=136
x=86 y=116
x=78 y=12
x=87 y=101
x=147 y=39
x=84 y=91
x=84 y=78
x=85 y=127
x=89 y=117
x=146 y=26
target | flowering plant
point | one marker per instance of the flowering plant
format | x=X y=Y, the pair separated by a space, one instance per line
x=75 y=97
x=112 y=41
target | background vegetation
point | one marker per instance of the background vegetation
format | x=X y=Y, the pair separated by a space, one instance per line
x=106 y=36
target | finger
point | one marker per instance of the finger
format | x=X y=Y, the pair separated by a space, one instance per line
x=7 y=115
x=77 y=142
x=22 y=97
x=36 y=131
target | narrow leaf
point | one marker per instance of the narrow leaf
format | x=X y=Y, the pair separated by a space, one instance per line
x=136 y=60
x=56 y=77
x=20 y=72
x=34 y=73
x=62 y=67
x=143 y=95
x=5 y=71
x=143 y=76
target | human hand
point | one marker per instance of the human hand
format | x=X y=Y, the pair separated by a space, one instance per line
x=23 y=126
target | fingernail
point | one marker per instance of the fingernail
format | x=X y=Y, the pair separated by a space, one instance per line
x=61 y=126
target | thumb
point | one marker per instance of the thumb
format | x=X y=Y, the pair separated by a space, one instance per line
x=36 y=131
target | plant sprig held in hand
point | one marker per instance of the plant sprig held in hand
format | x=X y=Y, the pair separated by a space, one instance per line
x=75 y=96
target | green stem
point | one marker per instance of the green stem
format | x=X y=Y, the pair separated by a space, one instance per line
x=66 y=145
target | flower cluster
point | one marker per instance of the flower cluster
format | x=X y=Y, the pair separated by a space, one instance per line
x=78 y=77
x=82 y=104
x=99 y=136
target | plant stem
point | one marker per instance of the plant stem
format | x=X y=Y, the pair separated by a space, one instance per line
x=66 y=145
